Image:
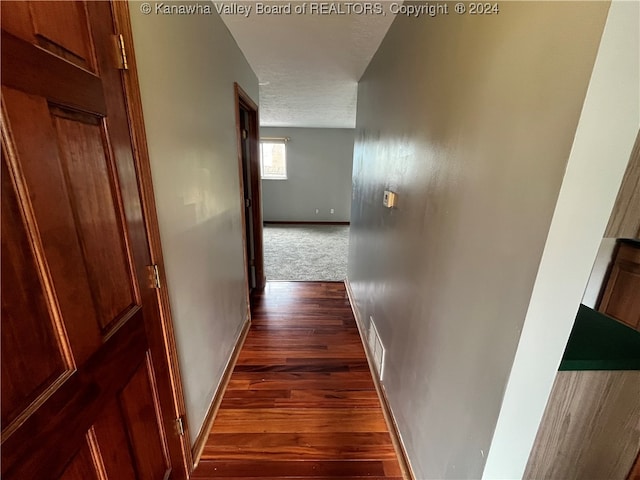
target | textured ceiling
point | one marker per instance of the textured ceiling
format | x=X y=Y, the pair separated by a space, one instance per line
x=308 y=65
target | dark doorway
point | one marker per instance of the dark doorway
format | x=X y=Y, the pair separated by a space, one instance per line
x=248 y=142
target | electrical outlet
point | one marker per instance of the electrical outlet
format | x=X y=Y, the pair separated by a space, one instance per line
x=317 y=211
x=333 y=210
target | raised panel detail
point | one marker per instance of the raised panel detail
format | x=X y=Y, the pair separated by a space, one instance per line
x=99 y=222
x=137 y=401
x=61 y=27
x=71 y=164
x=81 y=467
x=32 y=358
x=37 y=151
x=17 y=19
x=111 y=437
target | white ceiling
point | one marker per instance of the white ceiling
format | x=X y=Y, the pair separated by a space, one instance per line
x=308 y=65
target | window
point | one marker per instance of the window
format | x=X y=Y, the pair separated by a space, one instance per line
x=273 y=158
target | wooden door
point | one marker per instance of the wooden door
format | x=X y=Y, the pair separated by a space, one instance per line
x=250 y=245
x=80 y=355
x=247 y=131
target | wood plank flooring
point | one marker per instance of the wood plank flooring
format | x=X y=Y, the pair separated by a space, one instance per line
x=301 y=402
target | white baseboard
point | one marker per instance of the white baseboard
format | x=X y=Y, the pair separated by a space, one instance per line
x=203 y=434
x=398 y=444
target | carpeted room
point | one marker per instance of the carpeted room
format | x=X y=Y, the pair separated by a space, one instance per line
x=307 y=210
x=306 y=252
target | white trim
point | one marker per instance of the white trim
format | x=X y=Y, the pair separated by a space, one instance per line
x=604 y=138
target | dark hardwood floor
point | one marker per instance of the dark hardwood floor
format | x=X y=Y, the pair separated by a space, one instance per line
x=301 y=402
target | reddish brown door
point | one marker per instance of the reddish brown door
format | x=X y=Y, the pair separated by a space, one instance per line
x=79 y=377
x=247 y=131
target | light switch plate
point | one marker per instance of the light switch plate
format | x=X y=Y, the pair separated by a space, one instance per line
x=390 y=199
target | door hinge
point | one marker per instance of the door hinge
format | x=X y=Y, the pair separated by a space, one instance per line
x=180 y=426
x=154 y=276
x=245 y=134
x=121 y=52
x=247 y=203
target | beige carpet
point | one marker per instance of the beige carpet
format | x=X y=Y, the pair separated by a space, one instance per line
x=306 y=252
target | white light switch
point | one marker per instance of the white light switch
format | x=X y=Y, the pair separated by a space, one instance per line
x=390 y=199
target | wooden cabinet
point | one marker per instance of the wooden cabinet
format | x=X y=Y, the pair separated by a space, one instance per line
x=589 y=429
x=621 y=298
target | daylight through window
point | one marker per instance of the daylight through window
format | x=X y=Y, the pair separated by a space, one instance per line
x=273 y=158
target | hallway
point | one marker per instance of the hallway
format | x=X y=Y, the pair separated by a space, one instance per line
x=301 y=401
x=479 y=157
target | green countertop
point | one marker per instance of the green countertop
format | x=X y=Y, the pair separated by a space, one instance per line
x=598 y=342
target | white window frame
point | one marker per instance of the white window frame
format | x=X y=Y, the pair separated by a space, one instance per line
x=277 y=140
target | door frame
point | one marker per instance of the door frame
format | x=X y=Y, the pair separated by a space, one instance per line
x=170 y=389
x=243 y=100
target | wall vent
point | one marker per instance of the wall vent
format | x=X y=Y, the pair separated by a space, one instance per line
x=376 y=348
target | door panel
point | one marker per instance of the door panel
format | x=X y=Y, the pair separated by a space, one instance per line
x=81 y=467
x=140 y=417
x=43 y=445
x=111 y=435
x=90 y=187
x=67 y=37
x=16 y=19
x=79 y=389
x=35 y=139
x=32 y=357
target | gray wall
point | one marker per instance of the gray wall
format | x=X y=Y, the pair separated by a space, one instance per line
x=187 y=65
x=470 y=119
x=319 y=162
